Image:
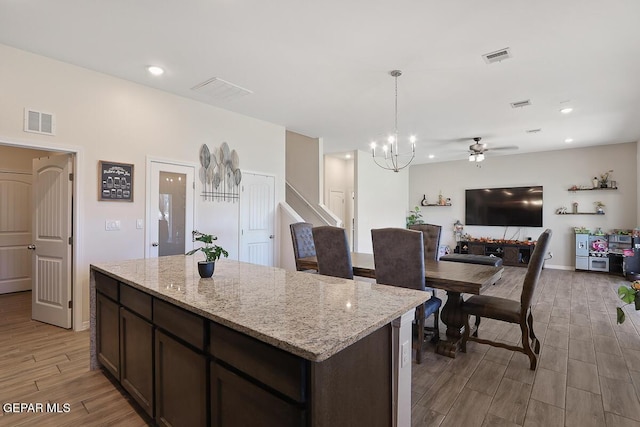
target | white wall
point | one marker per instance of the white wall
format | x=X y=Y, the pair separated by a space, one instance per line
x=16 y=159
x=303 y=162
x=382 y=197
x=106 y=118
x=556 y=171
x=338 y=176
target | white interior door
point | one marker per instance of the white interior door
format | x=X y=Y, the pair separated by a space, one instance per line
x=51 y=244
x=257 y=214
x=336 y=204
x=15 y=232
x=170 y=209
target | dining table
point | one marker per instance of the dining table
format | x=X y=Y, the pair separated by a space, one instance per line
x=455 y=278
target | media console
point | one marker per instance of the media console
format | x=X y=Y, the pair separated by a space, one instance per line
x=513 y=253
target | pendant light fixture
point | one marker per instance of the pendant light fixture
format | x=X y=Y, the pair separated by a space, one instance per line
x=391 y=158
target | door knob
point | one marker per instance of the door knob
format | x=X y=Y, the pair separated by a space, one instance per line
x=31 y=247
x=271 y=236
x=154 y=244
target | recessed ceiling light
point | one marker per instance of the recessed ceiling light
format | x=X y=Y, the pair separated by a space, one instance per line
x=348 y=156
x=155 y=70
x=431 y=156
x=568 y=140
x=566 y=110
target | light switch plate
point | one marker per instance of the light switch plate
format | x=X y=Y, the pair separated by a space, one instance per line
x=139 y=224
x=112 y=225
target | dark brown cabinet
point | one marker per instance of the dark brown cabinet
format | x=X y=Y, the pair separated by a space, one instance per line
x=136 y=354
x=108 y=335
x=236 y=401
x=181 y=384
x=511 y=252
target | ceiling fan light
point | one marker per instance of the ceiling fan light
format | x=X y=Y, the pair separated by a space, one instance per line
x=479 y=157
x=472 y=157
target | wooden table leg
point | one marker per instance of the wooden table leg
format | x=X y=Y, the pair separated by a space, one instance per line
x=452 y=316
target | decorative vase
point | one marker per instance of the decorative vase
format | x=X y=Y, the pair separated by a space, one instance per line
x=594 y=181
x=205 y=268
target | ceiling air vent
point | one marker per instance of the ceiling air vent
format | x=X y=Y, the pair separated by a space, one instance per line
x=534 y=130
x=39 y=122
x=221 y=89
x=497 y=56
x=520 y=104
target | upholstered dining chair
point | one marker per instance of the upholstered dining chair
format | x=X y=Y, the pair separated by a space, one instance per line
x=431 y=236
x=398 y=255
x=511 y=311
x=332 y=251
x=302 y=237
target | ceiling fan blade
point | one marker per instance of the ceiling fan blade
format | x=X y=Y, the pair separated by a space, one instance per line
x=505 y=147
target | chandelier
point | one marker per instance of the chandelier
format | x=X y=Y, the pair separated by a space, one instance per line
x=391 y=158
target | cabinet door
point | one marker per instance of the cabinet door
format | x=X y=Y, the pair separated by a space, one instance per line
x=476 y=249
x=108 y=334
x=510 y=256
x=238 y=402
x=136 y=355
x=181 y=383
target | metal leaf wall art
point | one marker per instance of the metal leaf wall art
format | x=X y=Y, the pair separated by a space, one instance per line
x=220 y=173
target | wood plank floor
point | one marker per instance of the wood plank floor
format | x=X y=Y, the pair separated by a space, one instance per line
x=588 y=373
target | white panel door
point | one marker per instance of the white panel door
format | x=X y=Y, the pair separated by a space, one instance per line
x=15 y=232
x=257 y=215
x=336 y=204
x=170 y=209
x=52 y=195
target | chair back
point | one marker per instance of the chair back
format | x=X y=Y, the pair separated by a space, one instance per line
x=332 y=251
x=302 y=238
x=398 y=255
x=431 y=236
x=533 y=269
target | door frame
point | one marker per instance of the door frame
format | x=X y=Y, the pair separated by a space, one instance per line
x=147 y=202
x=77 y=223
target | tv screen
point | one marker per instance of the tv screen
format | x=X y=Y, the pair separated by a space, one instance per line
x=514 y=206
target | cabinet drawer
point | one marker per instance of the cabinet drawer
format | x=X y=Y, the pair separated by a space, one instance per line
x=271 y=366
x=135 y=300
x=187 y=326
x=107 y=285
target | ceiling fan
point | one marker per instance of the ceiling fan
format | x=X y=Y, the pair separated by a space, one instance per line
x=477 y=150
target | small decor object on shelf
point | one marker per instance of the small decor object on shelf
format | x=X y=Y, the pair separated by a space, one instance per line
x=414 y=217
x=595 y=181
x=599 y=207
x=423 y=202
x=211 y=252
x=604 y=178
x=561 y=211
x=630 y=295
x=575 y=207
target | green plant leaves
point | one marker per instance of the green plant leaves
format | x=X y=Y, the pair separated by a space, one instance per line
x=619 y=315
x=627 y=294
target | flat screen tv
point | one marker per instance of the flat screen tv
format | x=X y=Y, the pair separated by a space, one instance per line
x=514 y=206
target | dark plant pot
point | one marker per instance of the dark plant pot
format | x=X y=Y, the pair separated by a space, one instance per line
x=603 y=185
x=637 y=300
x=205 y=268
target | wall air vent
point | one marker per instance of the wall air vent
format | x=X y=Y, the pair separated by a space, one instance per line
x=534 y=130
x=39 y=122
x=520 y=104
x=217 y=88
x=497 y=56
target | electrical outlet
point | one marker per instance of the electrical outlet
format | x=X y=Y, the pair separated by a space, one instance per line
x=112 y=225
x=405 y=354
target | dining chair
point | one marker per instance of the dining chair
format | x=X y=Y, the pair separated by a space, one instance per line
x=332 y=251
x=511 y=311
x=431 y=238
x=302 y=237
x=398 y=255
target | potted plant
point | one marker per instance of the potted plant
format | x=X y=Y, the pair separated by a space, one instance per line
x=630 y=295
x=211 y=252
x=414 y=217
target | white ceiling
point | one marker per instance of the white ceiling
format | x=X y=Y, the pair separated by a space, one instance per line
x=320 y=68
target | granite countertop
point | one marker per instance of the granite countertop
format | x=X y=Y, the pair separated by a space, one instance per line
x=309 y=315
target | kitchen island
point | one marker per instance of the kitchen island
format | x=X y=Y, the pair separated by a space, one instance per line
x=253 y=345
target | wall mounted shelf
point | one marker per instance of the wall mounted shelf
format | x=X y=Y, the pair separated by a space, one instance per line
x=435 y=204
x=581 y=213
x=573 y=190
